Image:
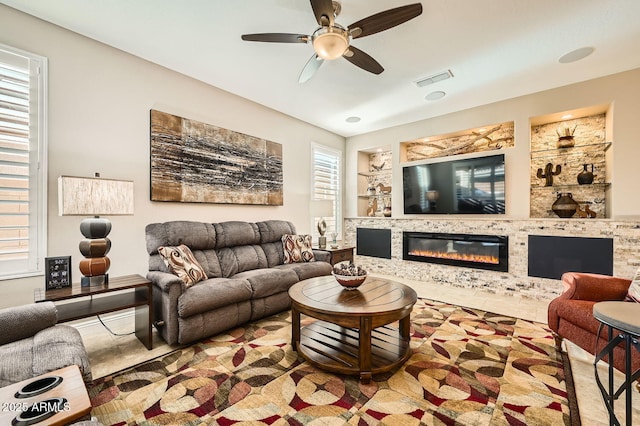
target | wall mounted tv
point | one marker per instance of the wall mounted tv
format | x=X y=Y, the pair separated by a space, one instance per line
x=467 y=186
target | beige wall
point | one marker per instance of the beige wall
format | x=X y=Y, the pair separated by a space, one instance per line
x=99 y=102
x=620 y=92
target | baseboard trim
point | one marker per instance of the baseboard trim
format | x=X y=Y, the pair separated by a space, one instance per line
x=128 y=314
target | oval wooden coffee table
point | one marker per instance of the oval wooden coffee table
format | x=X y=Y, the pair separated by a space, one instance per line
x=354 y=334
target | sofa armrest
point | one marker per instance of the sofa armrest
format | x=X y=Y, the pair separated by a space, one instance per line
x=594 y=287
x=322 y=255
x=164 y=280
x=20 y=322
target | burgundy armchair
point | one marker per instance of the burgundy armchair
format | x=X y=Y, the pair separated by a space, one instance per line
x=571 y=313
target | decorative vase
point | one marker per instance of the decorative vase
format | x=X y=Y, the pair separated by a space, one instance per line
x=585 y=177
x=371 y=190
x=565 y=206
x=565 y=136
x=386 y=211
x=566 y=142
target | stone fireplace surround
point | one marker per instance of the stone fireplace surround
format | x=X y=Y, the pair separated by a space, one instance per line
x=516 y=282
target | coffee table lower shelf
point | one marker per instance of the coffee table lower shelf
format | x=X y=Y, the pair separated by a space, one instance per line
x=336 y=348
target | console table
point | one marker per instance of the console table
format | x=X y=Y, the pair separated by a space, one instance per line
x=130 y=291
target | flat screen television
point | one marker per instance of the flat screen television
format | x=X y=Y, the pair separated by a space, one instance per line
x=467 y=186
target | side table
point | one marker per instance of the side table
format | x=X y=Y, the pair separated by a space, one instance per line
x=339 y=254
x=622 y=320
x=130 y=291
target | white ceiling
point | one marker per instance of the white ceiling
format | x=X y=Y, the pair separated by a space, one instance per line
x=496 y=49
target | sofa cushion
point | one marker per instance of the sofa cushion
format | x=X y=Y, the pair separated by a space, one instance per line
x=195 y=235
x=182 y=263
x=57 y=347
x=633 y=294
x=271 y=231
x=212 y=294
x=268 y=281
x=238 y=259
x=308 y=269
x=236 y=233
x=297 y=248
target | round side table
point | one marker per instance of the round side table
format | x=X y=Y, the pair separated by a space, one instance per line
x=622 y=320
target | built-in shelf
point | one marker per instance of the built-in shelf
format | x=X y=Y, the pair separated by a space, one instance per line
x=372 y=196
x=572 y=186
x=368 y=177
x=375 y=173
x=605 y=146
x=566 y=164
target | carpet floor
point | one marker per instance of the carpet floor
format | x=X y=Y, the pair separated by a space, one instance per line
x=468 y=367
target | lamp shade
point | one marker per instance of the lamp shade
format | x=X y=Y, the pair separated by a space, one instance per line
x=82 y=196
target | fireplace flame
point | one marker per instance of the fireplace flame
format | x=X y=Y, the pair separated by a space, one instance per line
x=478 y=258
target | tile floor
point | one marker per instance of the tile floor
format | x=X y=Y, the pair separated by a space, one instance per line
x=109 y=353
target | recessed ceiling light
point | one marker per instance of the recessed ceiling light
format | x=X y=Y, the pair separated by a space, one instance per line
x=566 y=116
x=434 y=96
x=576 y=55
x=352 y=119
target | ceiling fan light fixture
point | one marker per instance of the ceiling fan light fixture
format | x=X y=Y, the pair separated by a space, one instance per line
x=330 y=42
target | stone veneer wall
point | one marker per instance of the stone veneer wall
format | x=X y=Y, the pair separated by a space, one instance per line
x=625 y=234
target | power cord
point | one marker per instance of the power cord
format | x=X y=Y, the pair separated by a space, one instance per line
x=111 y=331
x=107 y=327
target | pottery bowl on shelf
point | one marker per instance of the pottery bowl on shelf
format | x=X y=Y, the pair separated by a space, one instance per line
x=350 y=282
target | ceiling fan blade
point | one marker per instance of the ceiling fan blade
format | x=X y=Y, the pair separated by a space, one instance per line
x=384 y=20
x=360 y=59
x=323 y=9
x=277 y=37
x=310 y=68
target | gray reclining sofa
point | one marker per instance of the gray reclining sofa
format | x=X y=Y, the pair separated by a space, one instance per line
x=247 y=276
x=32 y=344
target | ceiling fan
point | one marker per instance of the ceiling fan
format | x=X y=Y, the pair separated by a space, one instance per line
x=331 y=40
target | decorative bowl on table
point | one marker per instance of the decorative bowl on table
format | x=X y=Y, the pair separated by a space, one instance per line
x=350 y=277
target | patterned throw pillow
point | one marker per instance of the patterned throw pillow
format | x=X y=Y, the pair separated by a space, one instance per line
x=633 y=294
x=181 y=262
x=297 y=248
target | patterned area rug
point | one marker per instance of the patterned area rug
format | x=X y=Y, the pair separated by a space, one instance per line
x=468 y=367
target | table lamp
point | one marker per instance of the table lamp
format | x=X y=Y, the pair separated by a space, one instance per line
x=322 y=209
x=81 y=196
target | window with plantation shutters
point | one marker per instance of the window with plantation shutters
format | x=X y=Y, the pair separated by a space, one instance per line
x=22 y=153
x=327 y=185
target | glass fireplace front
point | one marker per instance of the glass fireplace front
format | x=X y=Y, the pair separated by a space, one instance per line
x=467 y=250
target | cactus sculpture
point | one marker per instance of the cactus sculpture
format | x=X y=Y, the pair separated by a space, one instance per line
x=549 y=173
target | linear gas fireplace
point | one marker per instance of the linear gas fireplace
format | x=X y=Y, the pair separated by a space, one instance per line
x=471 y=251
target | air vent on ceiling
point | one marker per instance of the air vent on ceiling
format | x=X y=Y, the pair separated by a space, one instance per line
x=434 y=78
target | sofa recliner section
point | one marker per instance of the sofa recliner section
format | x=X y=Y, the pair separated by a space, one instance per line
x=32 y=344
x=247 y=276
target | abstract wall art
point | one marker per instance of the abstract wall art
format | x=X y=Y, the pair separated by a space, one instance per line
x=197 y=162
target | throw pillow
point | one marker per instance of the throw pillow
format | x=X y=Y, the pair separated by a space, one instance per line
x=180 y=261
x=633 y=294
x=297 y=248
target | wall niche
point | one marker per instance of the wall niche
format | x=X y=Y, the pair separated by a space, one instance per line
x=491 y=137
x=562 y=150
x=375 y=170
